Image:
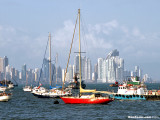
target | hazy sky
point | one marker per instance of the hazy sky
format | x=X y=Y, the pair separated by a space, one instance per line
x=130 y=26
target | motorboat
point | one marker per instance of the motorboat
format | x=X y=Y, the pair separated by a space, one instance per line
x=27 y=88
x=4 y=97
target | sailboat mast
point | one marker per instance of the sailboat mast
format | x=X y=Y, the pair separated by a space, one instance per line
x=79 y=51
x=50 y=57
x=56 y=66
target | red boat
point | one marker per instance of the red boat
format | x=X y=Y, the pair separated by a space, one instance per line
x=86 y=100
x=96 y=97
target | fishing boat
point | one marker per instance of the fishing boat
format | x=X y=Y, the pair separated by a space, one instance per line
x=82 y=98
x=130 y=90
x=4 y=97
x=133 y=89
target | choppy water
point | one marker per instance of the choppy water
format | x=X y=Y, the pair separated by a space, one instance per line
x=24 y=105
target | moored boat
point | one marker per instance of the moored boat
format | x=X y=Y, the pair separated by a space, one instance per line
x=3 y=88
x=54 y=92
x=27 y=88
x=135 y=90
x=87 y=99
x=81 y=98
x=10 y=86
x=4 y=97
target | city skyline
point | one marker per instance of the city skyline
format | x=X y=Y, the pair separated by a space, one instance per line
x=106 y=70
x=123 y=25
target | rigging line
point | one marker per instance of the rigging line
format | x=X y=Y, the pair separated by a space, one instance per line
x=53 y=74
x=43 y=60
x=70 y=52
x=84 y=36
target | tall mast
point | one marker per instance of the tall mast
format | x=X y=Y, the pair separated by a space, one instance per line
x=79 y=51
x=50 y=57
x=56 y=66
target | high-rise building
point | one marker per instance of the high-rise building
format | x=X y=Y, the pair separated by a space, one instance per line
x=70 y=72
x=88 y=70
x=115 y=67
x=136 y=70
x=45 y=70
x=86 y=67
x=147 y=79
x=17 y=75
x=37 y=75
x=100 y=70
x=6 y=62
x=83 y=66
x=1 y=65
x=95 y=73
x=111 y=69
x=73 y=70
x=13 y=73
x=59 y=75
x=76 y=63
x=63 y=75
x=24 y=72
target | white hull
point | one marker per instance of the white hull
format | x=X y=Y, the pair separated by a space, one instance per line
x=10 y=86
x=27 y=89
x=5 y=98
x=54 y=93
x=2 y=88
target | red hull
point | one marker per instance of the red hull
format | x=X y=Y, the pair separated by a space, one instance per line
x=72 y=100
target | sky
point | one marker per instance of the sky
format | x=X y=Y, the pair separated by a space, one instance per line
x=130 y=26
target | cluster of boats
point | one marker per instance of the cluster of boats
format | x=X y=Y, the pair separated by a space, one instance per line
x=42 y=92
x=4 y=87
x=132 y=89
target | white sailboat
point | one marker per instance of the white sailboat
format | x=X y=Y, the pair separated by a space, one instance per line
x=54 y=92
x=27 y=88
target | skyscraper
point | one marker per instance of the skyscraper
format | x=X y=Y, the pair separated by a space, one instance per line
x=95 y=73
x=100 y=70
x=76 y=63
x=24 y=72
x=6 y=62
x=45 y=70
x=1 y=65
x=111 y=69
x=70 y=72
x=59 y=75
x=86 y=67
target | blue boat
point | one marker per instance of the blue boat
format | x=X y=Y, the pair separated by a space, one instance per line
x=131 y=90
x=127 y=97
